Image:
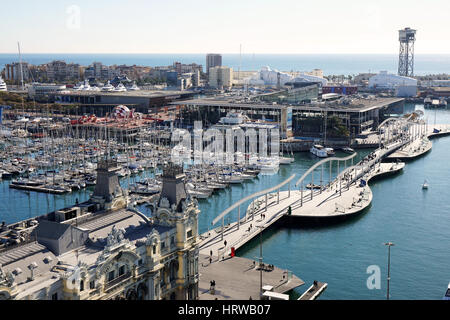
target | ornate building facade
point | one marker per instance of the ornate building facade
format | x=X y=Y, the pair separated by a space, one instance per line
x=105 y=249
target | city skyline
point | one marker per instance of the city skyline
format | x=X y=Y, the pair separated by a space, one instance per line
x=264 y=27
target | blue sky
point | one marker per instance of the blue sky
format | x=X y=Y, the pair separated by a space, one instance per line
x=200 y=26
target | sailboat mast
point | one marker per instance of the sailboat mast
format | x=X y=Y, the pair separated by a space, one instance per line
x=20 y=65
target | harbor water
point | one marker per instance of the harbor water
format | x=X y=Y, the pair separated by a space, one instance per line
x=416 y=220
x=331 y=64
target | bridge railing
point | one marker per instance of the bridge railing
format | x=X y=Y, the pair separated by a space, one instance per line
x=250 y=197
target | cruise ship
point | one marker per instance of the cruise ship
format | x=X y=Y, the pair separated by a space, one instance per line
x=3 y=85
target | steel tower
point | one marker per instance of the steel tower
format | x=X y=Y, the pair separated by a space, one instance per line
x=407 y=37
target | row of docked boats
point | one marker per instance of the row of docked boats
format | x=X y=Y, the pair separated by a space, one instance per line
x=108 y=87
x=323 y=152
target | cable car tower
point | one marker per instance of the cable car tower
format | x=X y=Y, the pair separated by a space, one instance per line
x=407 y=37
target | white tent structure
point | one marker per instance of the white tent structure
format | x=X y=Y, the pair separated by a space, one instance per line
x=269 y=76
x=384 y=80
x=310 y=78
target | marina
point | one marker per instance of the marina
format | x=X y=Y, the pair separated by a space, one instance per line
x=276 y=211
x=217 y=184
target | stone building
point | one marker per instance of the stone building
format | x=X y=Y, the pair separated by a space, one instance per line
x=104 y=249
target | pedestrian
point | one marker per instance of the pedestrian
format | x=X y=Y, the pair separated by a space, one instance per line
x=210 y=260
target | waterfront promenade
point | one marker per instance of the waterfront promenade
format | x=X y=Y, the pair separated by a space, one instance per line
x=341 y=197
x=345 y=195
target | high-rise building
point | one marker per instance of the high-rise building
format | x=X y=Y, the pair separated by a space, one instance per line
x=213 y=60
x=57 y=70
x=97 y=69
x=12 y=71
x=221 y=77
x=73 y=71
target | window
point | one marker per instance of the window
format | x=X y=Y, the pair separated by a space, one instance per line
x=154 y=249
x=55 y=296
x=172 y=240
x=111 y=275
x=189 y=234
x=121 y=270
x=163 y=245
x=81 y=285
x=92 y=284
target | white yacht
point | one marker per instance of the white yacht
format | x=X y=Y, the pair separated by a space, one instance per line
x=268 y=166
x=348 y=150
x=233 y=118
x=108 y=87
x=3 y=85
x=330 y=151
x=447 y=293
x=78 y=87
x=425 y=185
x=134 y=87
x=285 y=160
x=120 y=88
x=86 y=86
x=427 y=101
x=319 y=151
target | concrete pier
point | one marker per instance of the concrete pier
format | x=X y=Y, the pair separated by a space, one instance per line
x=240 y=278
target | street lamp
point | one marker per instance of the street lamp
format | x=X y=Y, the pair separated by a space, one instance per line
x=389 y=244
x=260 y=260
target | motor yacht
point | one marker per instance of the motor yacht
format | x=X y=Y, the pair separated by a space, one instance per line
x=120 y=88
x=108 y=87
x=348 y=150
x=319 y=151
x=233 y=118
x=134 y=87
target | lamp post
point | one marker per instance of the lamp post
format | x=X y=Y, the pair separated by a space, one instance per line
x=260 y=261
x=389 y=244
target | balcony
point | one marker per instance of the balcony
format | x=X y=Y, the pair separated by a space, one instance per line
x=116 y=281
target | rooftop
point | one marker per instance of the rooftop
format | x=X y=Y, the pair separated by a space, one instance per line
x=349 y=104
x=138 y=93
